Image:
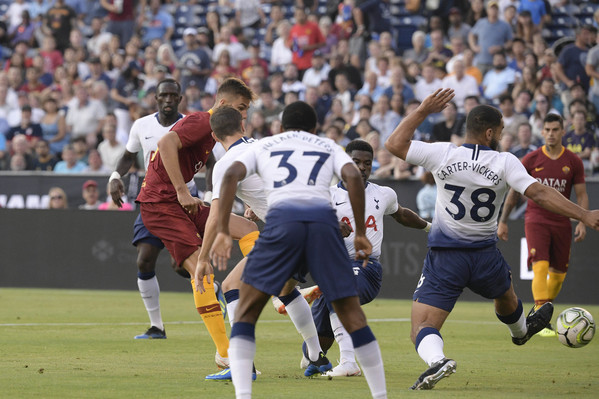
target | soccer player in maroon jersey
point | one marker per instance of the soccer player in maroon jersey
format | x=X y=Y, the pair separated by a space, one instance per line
x=549 y=235
x=172 y=214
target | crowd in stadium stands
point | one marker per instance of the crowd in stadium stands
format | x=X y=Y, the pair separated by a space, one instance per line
x=76 y=73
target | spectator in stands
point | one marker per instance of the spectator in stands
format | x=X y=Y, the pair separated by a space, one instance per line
x=334 y=133
x=247 y=67
x=452 y=128
x=24 y=31
x=53 y=125
x=427 y=196
x=383 y=119
x=511 y=119
x=522 y=103
x=14 y=14
x=592 y=71
x=371 y=88
x=57 y=199
x=271 y=109
x=44 y=159
x=457 y=48
x=69 y=163
x=578 y=93
x=281 y=55
x=59 y=21
x=463 y=85
x=438 y=54
x=506 y=142
x=97 y=73
x=81 y=149
x=428 y=84
x=579 y=139
x=476 y=12
x=547 y=88
x=203 y=39
x=330 y=34
x=276 y=16
x=527 y=83
x=304 y=37
x=193 y=62
x=249 y=16
x=95 y=165
x=318 y=72
x=488 y=37
x=110 y=149
x=85 y=115
x=537 y=11
x=29 y=129
x=344 y=94
x=570 y=68
x=158 y=24
x=457 y=28
x=125 y=93
x=33 y=83
x=236 y=50
x=292 y=82
x=418 y=52
x=372 y=16
x=524 y=144
x=398 y=85
x=498 y=80
x=99 y=38
x=469 y=103
x=90 y=195
x=541 y=110
x=21 y=147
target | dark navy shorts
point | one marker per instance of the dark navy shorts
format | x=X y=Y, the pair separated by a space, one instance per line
x=369 y=281
x=447 y=272
x=142 y=234
x=301 y=240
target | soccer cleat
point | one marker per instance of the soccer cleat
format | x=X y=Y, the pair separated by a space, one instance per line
x=548 y=331
x=320 y=366
x=305 y=362
x=310 y=294
x=221 y=362
x=152 y=333
x=220 y=297
x=345 y=369
x=225 y=375
x=535 y=322
x=439 y=370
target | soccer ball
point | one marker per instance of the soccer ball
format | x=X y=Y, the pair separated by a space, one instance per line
x=575 y=327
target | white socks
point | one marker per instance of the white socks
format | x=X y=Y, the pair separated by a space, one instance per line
x=430 y=349
x=299 y=312
x=346 y=346
x=231 y=307
x=150 y=294
x=370 y=359
x=241 y=355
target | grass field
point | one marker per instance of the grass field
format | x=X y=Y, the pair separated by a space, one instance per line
x=78 y=344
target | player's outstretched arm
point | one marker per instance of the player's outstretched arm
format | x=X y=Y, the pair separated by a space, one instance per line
x=115 y=184
x=582 y=199
x=221 y=249
x=510 y=203
x=355 y=188
x=409 y=218
x=399 y=142
x=204 y=267
x=550 y=199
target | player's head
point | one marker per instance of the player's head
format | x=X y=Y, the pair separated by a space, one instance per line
x=362 y=154
x=484 y=124
x=168 y=97
x=299 y=116
x=226 y=121
x=553 y=130
x=234 y=92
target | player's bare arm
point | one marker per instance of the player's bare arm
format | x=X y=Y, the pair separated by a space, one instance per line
x=355 y=188
x=204 y=267
x=115 y=185
x=582 y=199
x=220 y=252
x=511 y=200
x=169 y=147
x=408 y=218
x=550 y=199
x=209 y=167
x=399 y=142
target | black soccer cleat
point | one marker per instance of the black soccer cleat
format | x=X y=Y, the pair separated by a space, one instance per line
x=535 y=322
x=152 y=333
x=439 y=370
x=320 y=366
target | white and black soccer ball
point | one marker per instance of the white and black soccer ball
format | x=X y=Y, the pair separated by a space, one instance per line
x=575 y=327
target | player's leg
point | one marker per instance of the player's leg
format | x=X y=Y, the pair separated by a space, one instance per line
x=243 y=341
x=149 y=289
x=561 y=242
x=230 y=286
x=538 y=239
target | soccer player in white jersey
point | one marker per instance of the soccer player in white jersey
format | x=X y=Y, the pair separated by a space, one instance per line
x=144 y=136
x=472 y=181
x=301 y=235
x=228 y=130
x=380 y=201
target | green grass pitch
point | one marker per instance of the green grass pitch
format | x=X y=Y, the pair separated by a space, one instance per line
x=79 y=344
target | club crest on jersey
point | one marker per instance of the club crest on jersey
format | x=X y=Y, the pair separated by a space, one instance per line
x=198 y=166
x=566 y=170
x=377 y=203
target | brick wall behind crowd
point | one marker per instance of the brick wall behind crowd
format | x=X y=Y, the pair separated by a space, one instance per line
x=92 y=249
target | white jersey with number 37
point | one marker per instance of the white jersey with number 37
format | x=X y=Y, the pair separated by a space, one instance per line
x=296 y=167
x=472 y=181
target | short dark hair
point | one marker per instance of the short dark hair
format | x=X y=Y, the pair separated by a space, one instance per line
x=235 y=87
x=505 y=97
x=225 y=121
x=554 y=118
x=476 y=98
x=359 y=145
x=481 y=118
x=299 y=116
x=169 y=80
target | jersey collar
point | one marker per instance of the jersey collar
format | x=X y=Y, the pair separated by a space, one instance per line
x=158 y=119
x=547 y=154
x=480 y=147
x=244 y=139
x=342 y=186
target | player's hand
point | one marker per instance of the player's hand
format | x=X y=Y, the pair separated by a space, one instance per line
x=249 y=214
x=591 y=219
x=117 y=190
x=363 y=248
x=220 y=252
x=502 y=231
x=435 y=102
x=189 y=203
x=580 y=232
x=345 y=229
x=203 y=268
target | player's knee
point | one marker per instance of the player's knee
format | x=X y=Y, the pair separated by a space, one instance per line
x=145 y=263
x=230 y=283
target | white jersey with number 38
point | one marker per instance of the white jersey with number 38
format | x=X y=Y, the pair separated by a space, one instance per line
x=472 y=181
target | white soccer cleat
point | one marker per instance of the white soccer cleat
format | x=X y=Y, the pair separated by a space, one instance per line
x=345 y=369
x=304 y=363
x=221 y=362
x=310 y=294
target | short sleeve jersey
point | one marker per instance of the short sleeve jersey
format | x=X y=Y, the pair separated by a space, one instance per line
x=249 y=190
x=145 y=134
x=296 y=168
x=380 y=201
x=560 y=173
x=195 y=134
x=472 y=181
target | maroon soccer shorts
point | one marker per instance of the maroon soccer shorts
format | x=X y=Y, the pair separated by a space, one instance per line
x=549 y=242
x=180 y=232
